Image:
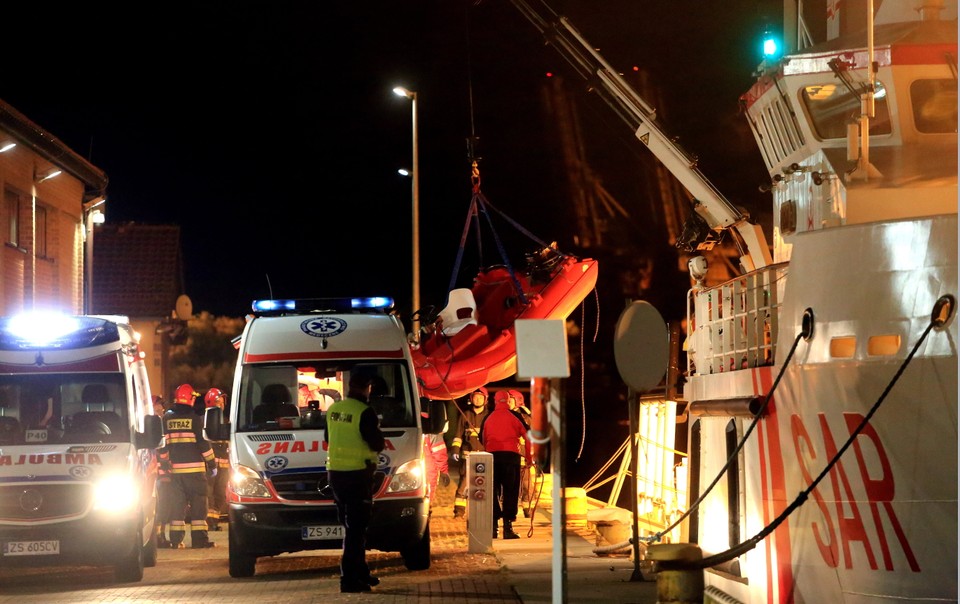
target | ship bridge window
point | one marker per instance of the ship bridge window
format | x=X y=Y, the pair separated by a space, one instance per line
x=934 y=105
x=832 y=106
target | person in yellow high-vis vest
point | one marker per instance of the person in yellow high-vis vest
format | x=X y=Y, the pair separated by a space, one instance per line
x=355 y=441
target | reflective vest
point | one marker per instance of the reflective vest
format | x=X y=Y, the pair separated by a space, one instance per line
x=347 y=449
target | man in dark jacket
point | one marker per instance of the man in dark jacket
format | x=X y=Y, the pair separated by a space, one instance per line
x=502 y=434
x=189 y=459
x=355 y=441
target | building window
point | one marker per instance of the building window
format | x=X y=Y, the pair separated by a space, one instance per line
x=12 y=203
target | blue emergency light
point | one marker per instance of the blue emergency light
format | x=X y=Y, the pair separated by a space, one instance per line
x=308 y=305
x=54 y=330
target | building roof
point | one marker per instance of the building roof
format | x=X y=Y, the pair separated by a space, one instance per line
x=137 y=269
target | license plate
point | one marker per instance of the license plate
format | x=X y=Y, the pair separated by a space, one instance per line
x=31 y=548
x=330 y=531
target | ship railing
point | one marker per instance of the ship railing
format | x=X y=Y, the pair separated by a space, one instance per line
x=734 y=325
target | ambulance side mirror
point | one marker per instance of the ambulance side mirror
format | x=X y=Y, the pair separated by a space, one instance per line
x=152 y=433
x=436 y=417
x=214 y=428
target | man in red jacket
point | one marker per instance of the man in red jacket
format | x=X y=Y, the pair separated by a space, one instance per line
x=502 y=434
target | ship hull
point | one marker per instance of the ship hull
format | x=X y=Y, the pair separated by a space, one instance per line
x=882 y=522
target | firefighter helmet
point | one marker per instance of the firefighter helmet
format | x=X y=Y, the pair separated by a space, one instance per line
x=185 y=394
x=213 y=398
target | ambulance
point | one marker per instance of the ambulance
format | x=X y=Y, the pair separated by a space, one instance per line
x=78 y=441
x=295 y=359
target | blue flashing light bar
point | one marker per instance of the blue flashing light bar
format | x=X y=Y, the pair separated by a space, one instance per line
x=322 y=305
x=48 y=330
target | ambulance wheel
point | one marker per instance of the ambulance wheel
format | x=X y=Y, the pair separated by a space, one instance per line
x=417 y=556
x=150 y=551
x=242 y=564
x=129 y=569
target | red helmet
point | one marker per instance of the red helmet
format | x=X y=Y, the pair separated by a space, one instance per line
x=214 y=397
x=185 y=394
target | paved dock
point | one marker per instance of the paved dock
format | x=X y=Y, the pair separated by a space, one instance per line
x=518 y=570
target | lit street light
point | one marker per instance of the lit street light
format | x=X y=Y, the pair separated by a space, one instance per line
x=415 y=176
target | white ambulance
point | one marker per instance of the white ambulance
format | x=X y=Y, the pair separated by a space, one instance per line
x=78 y=440
x=295 y=359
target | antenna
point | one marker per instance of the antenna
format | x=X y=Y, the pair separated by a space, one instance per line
x=269 y=286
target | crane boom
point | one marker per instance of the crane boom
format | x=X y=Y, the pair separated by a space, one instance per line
x=715 y=212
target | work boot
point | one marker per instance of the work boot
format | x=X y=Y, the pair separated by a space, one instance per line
x=526 y=512
x=508 y=531
x=459 y=511
x=353 y=587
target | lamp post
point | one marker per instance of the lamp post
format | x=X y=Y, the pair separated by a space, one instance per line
x=415 y=178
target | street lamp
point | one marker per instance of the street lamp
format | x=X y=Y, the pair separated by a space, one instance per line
x=415 y=177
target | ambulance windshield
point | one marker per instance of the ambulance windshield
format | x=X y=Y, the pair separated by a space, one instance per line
x=63 y=408
x=290 y=396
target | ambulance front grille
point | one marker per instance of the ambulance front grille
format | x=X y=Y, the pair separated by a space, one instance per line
x=43 y=501
x=303 y=486
x=309 y=486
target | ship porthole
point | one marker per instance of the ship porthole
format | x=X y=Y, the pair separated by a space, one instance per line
x=943 y=311
x=806 y=324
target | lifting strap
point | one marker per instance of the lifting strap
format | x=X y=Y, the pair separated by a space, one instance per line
x=479 y=204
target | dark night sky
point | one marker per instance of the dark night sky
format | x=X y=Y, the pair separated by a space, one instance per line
x=268 y=131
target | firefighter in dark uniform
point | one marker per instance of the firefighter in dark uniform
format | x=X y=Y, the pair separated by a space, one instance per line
x=217 y=484
x=355 y=441
x=189 y=458
x=467 y=439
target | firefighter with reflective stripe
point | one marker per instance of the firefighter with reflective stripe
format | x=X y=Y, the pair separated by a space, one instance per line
x=217 y=484
x=355 y=441
x=528 y=471
x=467 y=438
x=164 y=512
x=189 y=458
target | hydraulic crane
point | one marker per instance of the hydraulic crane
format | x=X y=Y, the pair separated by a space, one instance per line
x=713 y=214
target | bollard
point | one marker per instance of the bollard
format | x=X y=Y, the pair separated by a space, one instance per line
x=575 y=504
x=677 y=586
x=480 y=501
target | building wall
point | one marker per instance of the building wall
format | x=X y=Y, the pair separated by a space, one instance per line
x=34 y=275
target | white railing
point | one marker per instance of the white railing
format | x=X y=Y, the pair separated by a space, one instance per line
x=734 y=325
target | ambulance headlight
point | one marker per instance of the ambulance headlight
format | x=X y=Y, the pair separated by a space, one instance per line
x=115 y=493
x=409 y=477
x=245 y=482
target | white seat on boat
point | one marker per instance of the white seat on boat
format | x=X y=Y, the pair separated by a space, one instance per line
x=460 y=311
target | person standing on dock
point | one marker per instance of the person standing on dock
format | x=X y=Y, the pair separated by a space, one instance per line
x=527 y=469
x=355 y=441
x=467 y=438
x=502 y=434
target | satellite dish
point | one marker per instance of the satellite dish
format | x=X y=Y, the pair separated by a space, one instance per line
x=641 y=346
x=184 y=307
